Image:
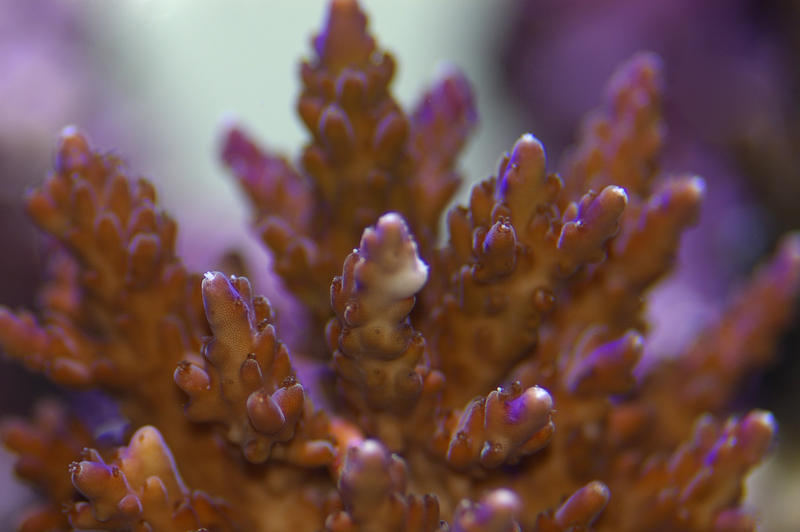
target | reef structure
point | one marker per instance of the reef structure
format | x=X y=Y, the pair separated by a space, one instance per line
x=485 y=385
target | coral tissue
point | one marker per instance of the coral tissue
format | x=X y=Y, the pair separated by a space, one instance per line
x=488 y=384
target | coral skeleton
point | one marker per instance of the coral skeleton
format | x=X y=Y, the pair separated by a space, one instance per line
x=486 y=380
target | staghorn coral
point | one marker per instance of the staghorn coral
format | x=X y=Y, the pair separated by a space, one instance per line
x=487 y=385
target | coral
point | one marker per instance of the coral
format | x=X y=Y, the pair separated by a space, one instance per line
x=731 y=112
x=489 y=384
x=141 y=489
x=365 y=157
x=50 y=78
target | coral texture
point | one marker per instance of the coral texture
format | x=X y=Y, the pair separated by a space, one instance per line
x=485 y=385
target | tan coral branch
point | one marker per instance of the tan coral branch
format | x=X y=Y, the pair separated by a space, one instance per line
x=378 y=353
x=247 y=382
x=140 y=489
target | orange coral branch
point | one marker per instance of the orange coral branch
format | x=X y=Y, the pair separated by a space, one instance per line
x=498 y=429
x=134 y=290
x=247 y=382
x=694 y=488
x=140 y=490
x=511 y=251
x=740 y=342
x=45 y=448
x=372 y=484
x=379 y=357
x=365 y=157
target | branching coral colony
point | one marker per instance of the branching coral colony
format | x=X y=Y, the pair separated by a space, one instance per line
x=487 y=385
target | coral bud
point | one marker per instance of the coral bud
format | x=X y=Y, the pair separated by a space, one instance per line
x=190 y=378
x=337 y=132
x=144 y=253
x=608 y=368
x=496 y=512
x=264 y=413
x=583 y=506
x=524 y=167
x=582 y=239
x=73 y=151
x=390 y=136
x=351 y=87
x=756 y=435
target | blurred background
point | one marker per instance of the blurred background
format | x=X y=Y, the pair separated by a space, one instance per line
x=154 y=80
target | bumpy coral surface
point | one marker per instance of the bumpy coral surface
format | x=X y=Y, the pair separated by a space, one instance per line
x=485 y=385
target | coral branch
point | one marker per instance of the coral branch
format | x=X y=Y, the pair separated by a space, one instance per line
x=45 y=448
x=510 y=252
x=344 y=41
x=140 y=489
x=694 y=488
x=247 y=382
x=498 y=429
x=365 y=158
x=372 y=485
x=740 y=342
x=587 y=225
x=440 y=127
x=607 y=368
x=620 y=143
x=379 y=357
x=648 y=250
x=133 y=290
x=272 y=184
x=43 y=518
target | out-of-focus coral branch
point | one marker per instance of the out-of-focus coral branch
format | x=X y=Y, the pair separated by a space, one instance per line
x=578 y=512
x=496 y=512
x=607 y=368
x=134 y=292
x=140 y=489
x=440 y=127
x=694 y=487
x=247 y=382
x=45 y=447
x=282 y=201
x=672 y=207
x=740 y=342
x=621 y=142
x=372 y=484
x=273 y=185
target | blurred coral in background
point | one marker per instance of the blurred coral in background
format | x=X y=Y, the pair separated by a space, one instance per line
x=520 y=368
x=733 y=115
x=731 y=107
x=47 y=79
